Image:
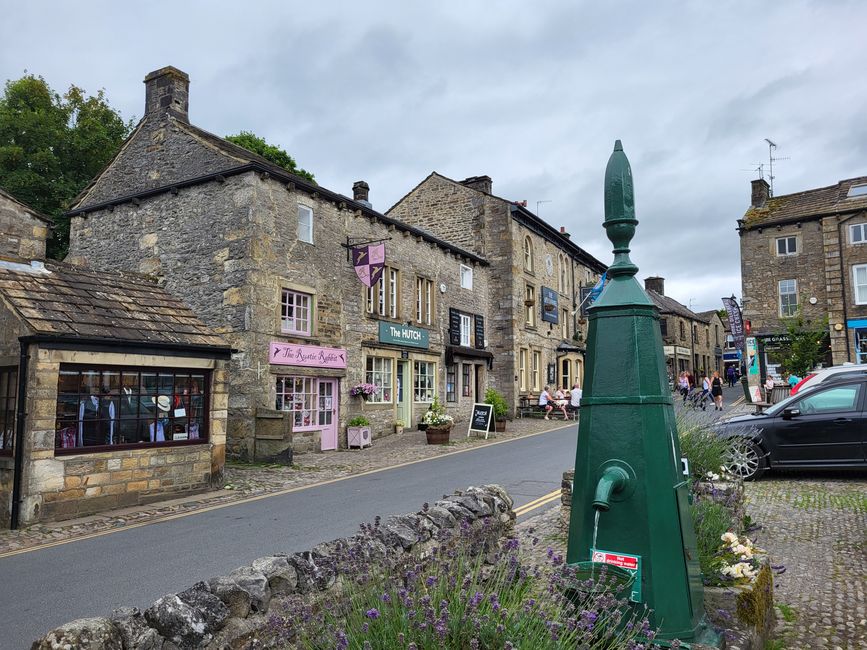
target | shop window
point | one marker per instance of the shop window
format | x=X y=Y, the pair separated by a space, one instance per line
x=451 y=383
x=528 y=254
x=466 y=380
x=522 y=369
x=530 y=305
x=466 y=277
x=787 y=246
x=537 y=371
x=788 y=297
x=858 y=233
x=296 y=312
x=424 y=301
x=424 y=381
x=861 y=345
x=305 y=224
x=383 y=297
x=100 y=407
x=8 y=392
x=466 y=330
x=379 y=373
x=302 y=397
x=859 y=281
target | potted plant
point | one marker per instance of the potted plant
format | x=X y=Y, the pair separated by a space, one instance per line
x=399 y=425
x=438 y=423
x=358 y=432
x=364 y=390
x=501 y=408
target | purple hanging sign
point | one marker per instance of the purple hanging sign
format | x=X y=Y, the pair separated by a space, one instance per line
x=369 y=261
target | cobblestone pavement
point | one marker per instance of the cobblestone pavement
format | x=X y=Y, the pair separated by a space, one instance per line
x=250 y=480
x=816 y=525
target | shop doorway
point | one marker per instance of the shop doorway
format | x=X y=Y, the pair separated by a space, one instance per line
x=327 y=410
x=480 y=383
x=403 y=383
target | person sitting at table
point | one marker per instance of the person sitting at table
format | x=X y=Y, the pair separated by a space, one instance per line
x=545 y=402
x=561 y=401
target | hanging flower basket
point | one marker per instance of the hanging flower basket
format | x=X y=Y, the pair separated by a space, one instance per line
x=364 y=391
x=529 y=303
x=549 y=307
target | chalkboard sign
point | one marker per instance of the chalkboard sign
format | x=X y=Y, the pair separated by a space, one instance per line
x=481 y=418
x=480 y=332
x=454 y=327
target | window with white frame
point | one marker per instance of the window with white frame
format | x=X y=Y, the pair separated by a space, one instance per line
x=537 y=370
x=530 y=305
x=298 y=395
x=522 y=369
x=566 y=374
x=787 y=246
x=466 y=380
x=383 y=297
x=295 y=312
x=528 y=254
x=788 y=290
x=466 y=277
x=564 y=324
x=858 y=233
x=378 y=372
x=859 y=282
x=305 y=223
x=424 y=300
x=424 y=381
x=466 y=330
x=564 y=274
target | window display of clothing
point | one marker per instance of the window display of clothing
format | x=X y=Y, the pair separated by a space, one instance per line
x=96 y=421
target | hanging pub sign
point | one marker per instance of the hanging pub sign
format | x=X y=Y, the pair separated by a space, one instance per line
x=550 y=312
x=369 y=262
x=552 y=373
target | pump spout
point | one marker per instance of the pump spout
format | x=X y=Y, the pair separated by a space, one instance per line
x=613 y=480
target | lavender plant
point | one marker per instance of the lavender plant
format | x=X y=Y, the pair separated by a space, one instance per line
x=464 y=593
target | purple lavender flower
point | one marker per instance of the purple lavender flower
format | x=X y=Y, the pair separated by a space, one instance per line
x=386 y=598
x=372 y=613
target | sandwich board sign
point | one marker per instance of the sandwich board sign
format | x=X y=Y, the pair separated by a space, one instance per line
x=481 y=418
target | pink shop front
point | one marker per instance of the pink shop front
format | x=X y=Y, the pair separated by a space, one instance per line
x=306 y=381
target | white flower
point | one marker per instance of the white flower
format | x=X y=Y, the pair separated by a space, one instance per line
x=729 y=538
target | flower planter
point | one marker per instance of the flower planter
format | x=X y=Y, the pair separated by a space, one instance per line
x=398 y=429
x=358 y=437
x=500 y=425
x=438 y=435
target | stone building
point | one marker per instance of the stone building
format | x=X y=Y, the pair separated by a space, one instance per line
x=692 y=341
x=537 y=277
x=23 y=230
x=805 y=253
x=263 y=257
x=112 y=392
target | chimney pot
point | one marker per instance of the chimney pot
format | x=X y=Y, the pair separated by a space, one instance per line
x=480 y=183
x=656 y=284
x=761 y=192
x=167 y=90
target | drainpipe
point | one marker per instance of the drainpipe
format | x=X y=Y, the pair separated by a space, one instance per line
x=840 y=243
x=21 y=422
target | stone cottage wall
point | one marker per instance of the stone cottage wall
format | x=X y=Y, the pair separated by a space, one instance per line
x=21 y=233
x=10 y=330
x=62 y=486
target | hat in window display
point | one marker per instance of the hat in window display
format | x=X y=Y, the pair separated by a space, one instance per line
x=164 y=403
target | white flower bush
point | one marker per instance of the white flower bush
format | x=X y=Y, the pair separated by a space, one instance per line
x=739 y=561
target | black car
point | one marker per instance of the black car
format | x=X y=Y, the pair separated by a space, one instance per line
x=822 y=427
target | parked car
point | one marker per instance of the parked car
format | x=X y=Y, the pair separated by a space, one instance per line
x=821 y=427
x=824 y=374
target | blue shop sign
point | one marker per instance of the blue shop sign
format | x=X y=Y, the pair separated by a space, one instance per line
x=550 y=311
x=856 y=323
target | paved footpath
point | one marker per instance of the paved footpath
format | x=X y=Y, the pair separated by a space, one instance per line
x=244 y=481
x=816 y=525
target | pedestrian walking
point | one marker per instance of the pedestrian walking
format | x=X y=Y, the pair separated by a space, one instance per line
x=705 y=391
x=545 y=401
x=716 y=386
x=730 y=375
x=683 y=385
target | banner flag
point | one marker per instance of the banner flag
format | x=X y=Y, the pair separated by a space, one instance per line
x=369 y=262
x=736 y=321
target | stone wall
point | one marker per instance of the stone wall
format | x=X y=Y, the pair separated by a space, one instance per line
x=10 y=330
x=60 y=486
x=232 y=611
x=22 y=234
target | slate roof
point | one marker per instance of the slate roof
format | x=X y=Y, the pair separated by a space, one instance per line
x=668 y=305
x=69 y=302
x=706 y=316
x=807 y=205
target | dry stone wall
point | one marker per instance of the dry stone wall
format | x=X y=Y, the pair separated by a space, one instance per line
x=231 y=611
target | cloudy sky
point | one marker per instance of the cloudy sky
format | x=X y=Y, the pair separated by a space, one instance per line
x=532 y=94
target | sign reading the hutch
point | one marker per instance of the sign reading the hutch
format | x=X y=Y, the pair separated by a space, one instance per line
x=289 y=354
x=397 y=334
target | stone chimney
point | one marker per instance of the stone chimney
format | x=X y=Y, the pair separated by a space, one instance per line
x=656 y=284
x=761 y=192
x=167 y=90
x=564 y=233
x=480 y=183
x=361 y=192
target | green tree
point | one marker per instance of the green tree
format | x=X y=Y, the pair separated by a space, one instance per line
x=810 y=343
x=52 y=145
x=276 y=155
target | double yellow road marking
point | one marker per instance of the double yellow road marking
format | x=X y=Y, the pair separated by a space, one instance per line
x=537 y=503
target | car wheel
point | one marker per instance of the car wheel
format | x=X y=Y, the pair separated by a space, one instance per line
x=745 y=459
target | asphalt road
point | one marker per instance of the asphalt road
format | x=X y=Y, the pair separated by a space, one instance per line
x=44 y=588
